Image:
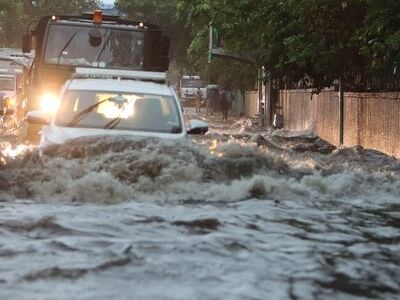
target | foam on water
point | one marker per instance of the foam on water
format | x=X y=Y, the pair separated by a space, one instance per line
x=236 y=216
x=112 y=170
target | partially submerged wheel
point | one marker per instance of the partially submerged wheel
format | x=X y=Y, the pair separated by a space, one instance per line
x=32 y=133
x=2 y=125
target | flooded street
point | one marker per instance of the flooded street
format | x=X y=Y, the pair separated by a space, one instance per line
x=236 y=214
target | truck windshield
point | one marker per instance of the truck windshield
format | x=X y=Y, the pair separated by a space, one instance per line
x=7 y=84
x=70 y=45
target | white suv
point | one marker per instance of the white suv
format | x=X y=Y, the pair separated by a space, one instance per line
x=97 y=102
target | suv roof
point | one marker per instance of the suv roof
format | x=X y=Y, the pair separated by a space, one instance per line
x=120 y=80
x=85 y=72
x=116 y=85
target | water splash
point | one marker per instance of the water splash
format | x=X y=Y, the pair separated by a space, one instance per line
x=110 y=170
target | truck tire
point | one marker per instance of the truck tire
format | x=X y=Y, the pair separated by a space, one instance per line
x=32 y=133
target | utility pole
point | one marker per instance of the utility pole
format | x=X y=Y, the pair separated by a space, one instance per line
x=268 y=99
x=210 y=41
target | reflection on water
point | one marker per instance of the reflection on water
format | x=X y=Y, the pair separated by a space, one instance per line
x=116 y=219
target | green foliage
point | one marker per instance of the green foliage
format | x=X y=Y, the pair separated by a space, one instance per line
x=50 y=7
x=162 y=13
x=189 y=46
x=219 y=71
x=159 y=12
x=11 y=23
x=314 y=40
x=380 y=38
x=16 y=14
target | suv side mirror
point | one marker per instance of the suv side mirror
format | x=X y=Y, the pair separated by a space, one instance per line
x=197 y=127
x=27 y=43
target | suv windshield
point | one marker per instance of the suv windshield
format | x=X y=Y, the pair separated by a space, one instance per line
x=7 y=84
x=123 y=111
x=70 y=45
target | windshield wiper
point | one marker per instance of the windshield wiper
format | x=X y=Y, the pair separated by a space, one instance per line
x=85 y=112
x=114 y=122
x=102 y=49
x=65 y=47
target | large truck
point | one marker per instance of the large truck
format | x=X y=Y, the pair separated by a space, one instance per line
x=12 y=66
x=11 y=83
x=63 y=43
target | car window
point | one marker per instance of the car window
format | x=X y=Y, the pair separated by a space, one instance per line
x=144 y=112
x=7 y=84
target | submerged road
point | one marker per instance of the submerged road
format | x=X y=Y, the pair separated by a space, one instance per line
x=237 y=214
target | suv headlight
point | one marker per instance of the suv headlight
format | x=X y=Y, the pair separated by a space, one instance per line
x=49 y=103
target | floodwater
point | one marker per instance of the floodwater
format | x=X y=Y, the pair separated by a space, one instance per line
x=236 y=214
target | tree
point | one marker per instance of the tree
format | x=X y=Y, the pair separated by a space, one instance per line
x=16 y=14
x=219 y=71
x=49 y=7
x=380 y=37
x=313 y=41
x=162 y=13
x=188 y=48
x=11 y=22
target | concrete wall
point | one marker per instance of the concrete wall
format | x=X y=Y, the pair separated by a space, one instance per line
x=250 y=103
x=371 y=120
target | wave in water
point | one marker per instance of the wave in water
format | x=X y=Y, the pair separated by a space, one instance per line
x=112 y=170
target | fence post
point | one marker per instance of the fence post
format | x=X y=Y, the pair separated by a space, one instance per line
x=341 y=111
x=268 y=99
x=259 y=88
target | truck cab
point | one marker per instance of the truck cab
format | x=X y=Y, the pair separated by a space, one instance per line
x=63 y=43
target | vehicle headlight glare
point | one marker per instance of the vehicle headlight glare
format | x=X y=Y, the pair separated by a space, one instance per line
x=49 y=103
x=12 y=102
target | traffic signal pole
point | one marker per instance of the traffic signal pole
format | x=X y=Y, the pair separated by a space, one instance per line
x=216 y=49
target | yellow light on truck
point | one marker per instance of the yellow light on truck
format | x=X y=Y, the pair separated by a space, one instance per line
x=97 y=16
x=12 y=102
x=49 y=103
